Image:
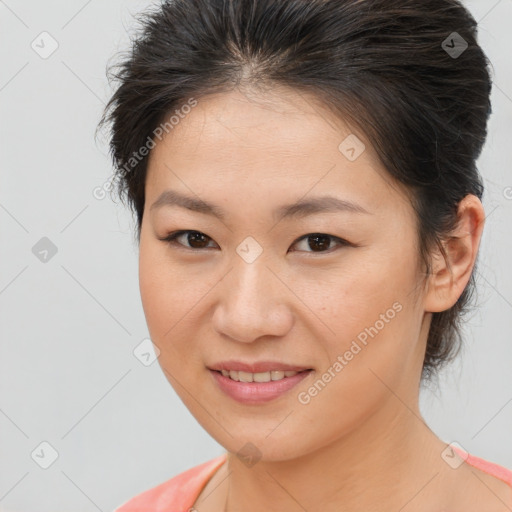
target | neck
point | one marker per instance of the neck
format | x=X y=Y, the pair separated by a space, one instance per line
x=394 y=454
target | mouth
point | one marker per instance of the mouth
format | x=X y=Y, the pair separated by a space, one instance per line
x=257 y=387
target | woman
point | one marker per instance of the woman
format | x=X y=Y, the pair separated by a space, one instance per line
x=309 y=216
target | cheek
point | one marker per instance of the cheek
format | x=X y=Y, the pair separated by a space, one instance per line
x=164 y=285
x=370 y=303
x=173 y=299
x=163 y=290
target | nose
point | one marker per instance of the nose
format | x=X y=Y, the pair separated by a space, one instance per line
x=253 y=302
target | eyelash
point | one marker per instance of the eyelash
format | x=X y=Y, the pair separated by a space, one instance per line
x=171 y=240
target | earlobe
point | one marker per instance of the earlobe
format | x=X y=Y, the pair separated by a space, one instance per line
x=452 y=271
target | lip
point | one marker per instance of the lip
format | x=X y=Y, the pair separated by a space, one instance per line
x=256 y=367
x=257 y=392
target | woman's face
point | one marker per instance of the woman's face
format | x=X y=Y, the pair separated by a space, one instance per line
x=249 y=285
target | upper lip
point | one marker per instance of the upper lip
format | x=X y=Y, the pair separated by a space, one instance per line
x=256 y=367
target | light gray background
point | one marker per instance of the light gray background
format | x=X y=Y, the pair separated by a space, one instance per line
x=69 y=326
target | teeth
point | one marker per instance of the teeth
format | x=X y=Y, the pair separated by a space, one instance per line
x=244 y=376
x=277 y=375
x=257 y=377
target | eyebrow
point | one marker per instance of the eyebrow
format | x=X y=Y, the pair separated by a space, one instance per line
x=299 y=209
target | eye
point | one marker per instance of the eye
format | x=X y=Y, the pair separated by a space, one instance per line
x=319 y=242
x=195 y=238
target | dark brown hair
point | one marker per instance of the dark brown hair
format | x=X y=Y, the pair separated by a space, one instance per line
x=408 y=73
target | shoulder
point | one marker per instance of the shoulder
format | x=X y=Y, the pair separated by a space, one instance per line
x=490 y=468
x=177 y=493
x=490 y=485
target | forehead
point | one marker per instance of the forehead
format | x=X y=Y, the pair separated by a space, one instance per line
x=280 y=121
x=283 y=142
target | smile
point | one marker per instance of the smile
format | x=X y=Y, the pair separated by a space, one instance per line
x=257 y=388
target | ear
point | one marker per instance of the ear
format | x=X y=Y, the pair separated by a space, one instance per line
x=450 y=275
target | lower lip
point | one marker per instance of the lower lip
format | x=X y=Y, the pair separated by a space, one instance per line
x=257 y=392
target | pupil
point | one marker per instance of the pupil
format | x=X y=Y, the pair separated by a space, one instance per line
x=324 y=244
x=197 y=235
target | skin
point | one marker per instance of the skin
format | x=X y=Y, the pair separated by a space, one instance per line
x=250 y=154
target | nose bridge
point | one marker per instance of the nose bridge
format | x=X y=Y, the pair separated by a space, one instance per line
x=252 y=302
x=252 y=282
x=250 y=276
